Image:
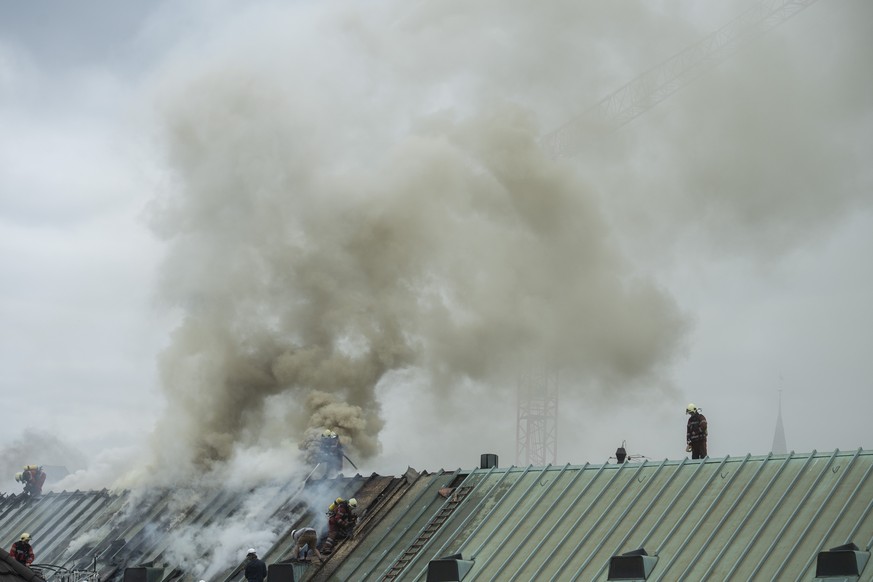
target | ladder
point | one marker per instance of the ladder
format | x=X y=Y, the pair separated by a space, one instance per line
x=427 y=533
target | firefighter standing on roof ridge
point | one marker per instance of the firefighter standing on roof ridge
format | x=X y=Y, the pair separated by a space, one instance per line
x=331 y=452
x=695 y=432
x=22 y=551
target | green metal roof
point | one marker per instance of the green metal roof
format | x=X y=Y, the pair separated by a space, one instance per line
x=731 y=518
x=744 y=518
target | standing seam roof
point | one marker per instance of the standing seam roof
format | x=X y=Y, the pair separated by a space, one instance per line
x=752 y=517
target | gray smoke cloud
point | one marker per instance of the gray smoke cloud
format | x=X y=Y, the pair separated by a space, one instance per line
x=358 y=191
x=313 y=251
x=762 y=155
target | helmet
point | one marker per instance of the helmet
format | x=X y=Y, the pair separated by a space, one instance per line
x=18 y=476
x=690 y=408
x=25 y=537
x=353 y=502
x=325 y=434
x=251 y=552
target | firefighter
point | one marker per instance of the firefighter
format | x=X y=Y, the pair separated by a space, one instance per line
x=307 y=539
x=33 y=478
x=22 y=551
x=341 y=522
x=256 y=569
x=696 y=432
x=331 y=452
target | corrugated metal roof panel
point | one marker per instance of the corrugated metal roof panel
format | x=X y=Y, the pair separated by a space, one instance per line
x=731 y=518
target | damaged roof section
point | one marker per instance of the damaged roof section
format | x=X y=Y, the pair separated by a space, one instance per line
x=751 y=517
x=180 y=531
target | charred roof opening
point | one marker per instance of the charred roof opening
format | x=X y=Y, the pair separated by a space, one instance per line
x=841 y=561
x=633 y=565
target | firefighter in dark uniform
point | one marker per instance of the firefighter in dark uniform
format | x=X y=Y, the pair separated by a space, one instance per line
x=331 y=452
x=695 y=433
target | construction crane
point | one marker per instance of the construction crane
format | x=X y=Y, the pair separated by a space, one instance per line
x=635 y=98
x=537 y=441
x=536 y=430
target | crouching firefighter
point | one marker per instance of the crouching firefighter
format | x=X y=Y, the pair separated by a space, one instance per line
x=33 y=478
x=341 y=521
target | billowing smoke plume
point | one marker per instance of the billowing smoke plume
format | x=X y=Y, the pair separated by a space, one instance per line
x=313 y=251
x=356 y=191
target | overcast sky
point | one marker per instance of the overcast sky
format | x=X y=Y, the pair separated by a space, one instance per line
x=716 y=250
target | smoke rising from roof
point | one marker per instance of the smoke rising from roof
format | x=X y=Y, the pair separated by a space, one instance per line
x=355 y=192
x=315 y=246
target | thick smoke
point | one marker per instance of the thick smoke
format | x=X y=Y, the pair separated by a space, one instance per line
x=358 y=191
x=313 y=251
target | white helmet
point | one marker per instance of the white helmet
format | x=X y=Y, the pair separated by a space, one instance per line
x=251 y=552
x=18 y=476
x=691 y=408
x=353 y=502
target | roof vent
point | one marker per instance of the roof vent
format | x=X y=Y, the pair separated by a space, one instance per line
x=620 y=454
x=635 y=565
x=285 y=571
x=449 y=569
x=487 y=461
x=143 y=574
x=841 y=561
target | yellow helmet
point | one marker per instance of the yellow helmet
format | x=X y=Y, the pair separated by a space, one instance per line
x=691 y=408
x=25 y=537
x=30 y=468
x=18 y=476
x=325 y=434
x=353 y=502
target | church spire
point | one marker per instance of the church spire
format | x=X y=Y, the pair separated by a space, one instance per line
x=779 y=446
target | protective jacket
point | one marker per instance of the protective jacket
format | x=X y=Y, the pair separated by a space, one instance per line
x=331 y=454
x=341 y=522
x=33 y=479
x=22 y=552
x=696 y=430
x=256 y=570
